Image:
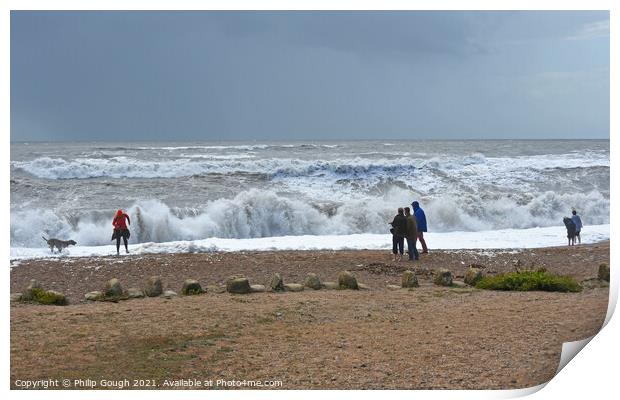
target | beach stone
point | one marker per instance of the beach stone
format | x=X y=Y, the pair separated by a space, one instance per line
x=409 y=280
x=153 y=287
x=277 y=284
x=170 y=294
x=394 y=287
x=362 y=286
x=94 y=296
x=191 y=287
x=346 y=280
x=257 y=288
x=135 y=293
x=330 y=285
x=603 y=272
x=47 y=297
x=16 y=297
x=293 y=287
x=313 y=281
x=237 y=284
x=52 y=297
x=458 y=284
x=472 y=276
x=443 y=277
x=113 y=288
x=27 y=294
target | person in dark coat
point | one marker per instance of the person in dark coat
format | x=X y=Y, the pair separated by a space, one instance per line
x=399 y=231
x=571 y=230
x=421 y=220
x=412 y=235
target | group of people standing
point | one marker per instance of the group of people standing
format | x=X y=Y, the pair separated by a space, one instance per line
x=410 y=227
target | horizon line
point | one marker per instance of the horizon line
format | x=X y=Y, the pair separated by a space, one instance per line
x=302 y=140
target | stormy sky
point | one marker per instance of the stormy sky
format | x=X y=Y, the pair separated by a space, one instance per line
x=309 y=75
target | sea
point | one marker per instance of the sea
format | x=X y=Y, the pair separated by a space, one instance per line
x=304 y=195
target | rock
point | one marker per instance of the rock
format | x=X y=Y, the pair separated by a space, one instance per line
x=330 y=285
x=27 y=295
x=277 y=284
x=257 y=288
x=215 y=289
x=458 y=284
x=409 y=280
x=94 y=296
x=153 y=287
x=170 y=294
x=51 y=297
x=16 y=297
x=239 y=285
x=55 y=297
x=113 y=288
x=443 y=277
x=394 y=287
x=34 y=292
x=191 y=287
x=361 y=286
x=313 y=281
x=603 y=272
x=293 y=287
x=135 y=293
x=473 y=276
x=346 y=280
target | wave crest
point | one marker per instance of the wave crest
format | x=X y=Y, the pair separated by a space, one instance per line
x=357 y=167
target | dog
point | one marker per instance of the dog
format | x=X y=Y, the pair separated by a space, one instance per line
x=59 y=244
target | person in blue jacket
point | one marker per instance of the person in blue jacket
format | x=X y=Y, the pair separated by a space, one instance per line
x=421 y=220
x=578 y=225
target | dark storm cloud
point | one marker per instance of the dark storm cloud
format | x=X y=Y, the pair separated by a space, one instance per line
x=308 y=75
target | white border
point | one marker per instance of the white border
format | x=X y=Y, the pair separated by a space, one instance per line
x=591 y=373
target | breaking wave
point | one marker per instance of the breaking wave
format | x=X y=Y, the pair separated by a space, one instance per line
x=263 y=213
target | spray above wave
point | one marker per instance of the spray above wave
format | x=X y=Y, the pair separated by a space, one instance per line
x=260 y=213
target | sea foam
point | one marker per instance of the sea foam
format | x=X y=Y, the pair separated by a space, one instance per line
x=500 y=239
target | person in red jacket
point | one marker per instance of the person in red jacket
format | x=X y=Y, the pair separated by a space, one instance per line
x=120 y=229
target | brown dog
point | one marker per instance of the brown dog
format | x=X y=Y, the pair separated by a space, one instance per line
x=59 y=244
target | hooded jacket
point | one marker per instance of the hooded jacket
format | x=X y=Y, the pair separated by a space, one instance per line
x=119 y=220
x=419 y=216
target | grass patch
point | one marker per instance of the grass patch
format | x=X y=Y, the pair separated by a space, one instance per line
x=530 y=280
